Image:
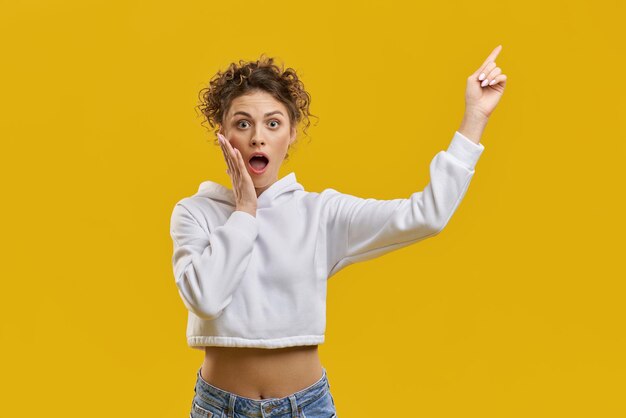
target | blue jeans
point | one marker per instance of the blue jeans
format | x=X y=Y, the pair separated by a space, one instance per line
x=314 y=401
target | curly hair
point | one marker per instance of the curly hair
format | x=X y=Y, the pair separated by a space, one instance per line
x=247 y=77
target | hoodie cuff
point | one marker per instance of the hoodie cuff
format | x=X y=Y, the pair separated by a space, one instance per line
x=244 y=222
x=465 y=150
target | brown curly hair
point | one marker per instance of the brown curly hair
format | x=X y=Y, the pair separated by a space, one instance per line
x=249 y=76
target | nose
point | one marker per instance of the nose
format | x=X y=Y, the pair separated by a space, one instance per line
x=256 y=138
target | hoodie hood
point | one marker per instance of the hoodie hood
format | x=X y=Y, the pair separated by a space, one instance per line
x=280 y=188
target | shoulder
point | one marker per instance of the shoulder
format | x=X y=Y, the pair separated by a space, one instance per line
x=204 y=210
x=331 y=201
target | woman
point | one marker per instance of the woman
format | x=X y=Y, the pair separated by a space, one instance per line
x=251 y=264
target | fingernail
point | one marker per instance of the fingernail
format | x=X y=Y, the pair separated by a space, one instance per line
x=481 y=76
x=484 y=83
x=492 y=82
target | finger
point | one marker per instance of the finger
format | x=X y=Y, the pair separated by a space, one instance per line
x=499 y=79
x=224 y=153
x=235 y=168
x=231 y=150
x=491 y=57
x=242 y=165
x=486 y=70
x=236 y=158
x=228 y=149
x=492 y=75
x=236 y=163
x=231 y=171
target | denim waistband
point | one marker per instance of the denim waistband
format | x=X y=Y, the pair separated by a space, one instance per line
x=253 y=407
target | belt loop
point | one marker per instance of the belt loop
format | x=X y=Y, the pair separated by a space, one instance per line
x=294 y=406
x=231 y=405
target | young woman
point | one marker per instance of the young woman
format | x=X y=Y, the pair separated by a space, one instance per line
x=251 y=263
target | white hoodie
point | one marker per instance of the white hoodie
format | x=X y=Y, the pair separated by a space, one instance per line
x=261 y=281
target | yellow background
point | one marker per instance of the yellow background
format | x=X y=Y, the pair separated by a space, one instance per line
x=515 y=310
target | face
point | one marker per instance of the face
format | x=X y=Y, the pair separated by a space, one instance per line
x=257 y=122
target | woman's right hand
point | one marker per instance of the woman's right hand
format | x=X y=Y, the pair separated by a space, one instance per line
x=243 y=187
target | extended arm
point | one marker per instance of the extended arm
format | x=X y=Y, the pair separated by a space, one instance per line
x=361 y=229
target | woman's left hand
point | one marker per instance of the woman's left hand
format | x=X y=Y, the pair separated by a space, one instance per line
x=485 y=87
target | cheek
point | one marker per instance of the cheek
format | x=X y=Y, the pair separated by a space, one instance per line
x=237 y=142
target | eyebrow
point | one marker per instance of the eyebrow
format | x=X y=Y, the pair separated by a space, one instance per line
x=249 y=115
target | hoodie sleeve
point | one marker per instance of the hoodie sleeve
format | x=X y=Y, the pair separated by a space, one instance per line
x=208 y=267
x=360 y=229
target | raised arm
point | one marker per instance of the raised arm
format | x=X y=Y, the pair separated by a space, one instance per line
x=208 y=267
x=361 y=229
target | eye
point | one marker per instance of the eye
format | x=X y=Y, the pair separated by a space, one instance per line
x=278 y=122
x=239 y=123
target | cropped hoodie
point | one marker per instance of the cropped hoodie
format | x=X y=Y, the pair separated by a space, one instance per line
x=260 y=281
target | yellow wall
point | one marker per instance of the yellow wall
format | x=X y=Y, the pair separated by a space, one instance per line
x=515 y=310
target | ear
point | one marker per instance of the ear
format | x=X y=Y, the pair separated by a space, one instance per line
x=294 y=133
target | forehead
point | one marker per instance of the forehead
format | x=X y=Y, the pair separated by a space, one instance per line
x=258 y=102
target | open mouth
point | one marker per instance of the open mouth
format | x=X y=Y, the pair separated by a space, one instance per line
x=258 y=163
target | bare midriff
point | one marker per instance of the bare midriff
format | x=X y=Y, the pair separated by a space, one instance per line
x=262 y=373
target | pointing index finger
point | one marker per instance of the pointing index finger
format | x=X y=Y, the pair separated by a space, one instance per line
x=492 y=56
